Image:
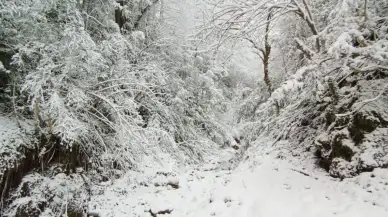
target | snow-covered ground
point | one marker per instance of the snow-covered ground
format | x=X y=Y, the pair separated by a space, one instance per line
x=261 y=186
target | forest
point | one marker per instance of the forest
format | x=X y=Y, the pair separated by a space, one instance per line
x=151 y=108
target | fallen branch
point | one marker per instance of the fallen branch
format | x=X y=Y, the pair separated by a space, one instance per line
x=301 y=172
x=163 y=212
x=305 y=174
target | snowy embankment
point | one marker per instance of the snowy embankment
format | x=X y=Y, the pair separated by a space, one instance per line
x=15 y=140
x=261 y=186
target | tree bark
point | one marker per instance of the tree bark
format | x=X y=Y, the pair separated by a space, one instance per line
x=266 y=75
x=119 y=18
x=365 y=10
x=266 y=54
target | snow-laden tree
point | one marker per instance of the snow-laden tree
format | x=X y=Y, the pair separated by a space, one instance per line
x=334 y=51
x=109 y=86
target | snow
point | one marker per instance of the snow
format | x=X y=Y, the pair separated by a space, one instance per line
x=2 y=68
x=12 y=140
x=271 y=187
x=61 y=191
x=374 y=148
x=77 y=83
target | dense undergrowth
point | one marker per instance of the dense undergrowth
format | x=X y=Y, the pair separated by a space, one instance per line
x=334 y=106
x=102 y=94
x=90 y=90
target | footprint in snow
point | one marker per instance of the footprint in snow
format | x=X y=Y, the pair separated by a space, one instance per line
x=288 y=186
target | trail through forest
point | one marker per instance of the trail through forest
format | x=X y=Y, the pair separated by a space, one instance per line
x=260 y=187
x=151 y=108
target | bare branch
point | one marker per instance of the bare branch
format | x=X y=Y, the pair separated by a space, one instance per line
x=301 y=46
x=363 y=103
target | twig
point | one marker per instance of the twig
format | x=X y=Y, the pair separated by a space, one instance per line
x=301 y=172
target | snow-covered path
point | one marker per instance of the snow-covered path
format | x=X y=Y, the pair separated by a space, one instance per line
x=271 y=188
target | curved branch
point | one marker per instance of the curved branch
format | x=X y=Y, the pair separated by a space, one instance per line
x=363 y=103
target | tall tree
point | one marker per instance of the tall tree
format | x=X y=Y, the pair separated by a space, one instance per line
x=264 y=51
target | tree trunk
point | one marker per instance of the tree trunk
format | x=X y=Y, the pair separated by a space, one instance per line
x=365 y=10
x=266 y=72
x=266 y=54
x=119 y=18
